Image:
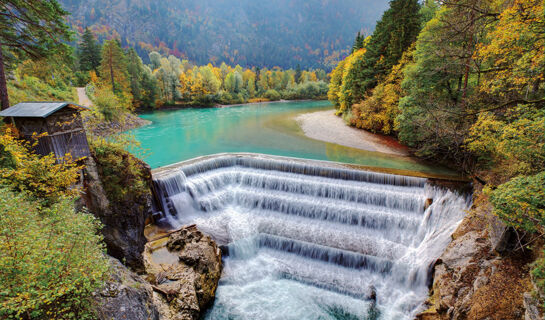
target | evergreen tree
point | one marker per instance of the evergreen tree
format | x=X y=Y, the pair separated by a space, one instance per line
x=113 y=67
x=358 y=42
x=135 y=69
x=30 y=28
x=298 y=73
x=394 y=33
x=89 y=52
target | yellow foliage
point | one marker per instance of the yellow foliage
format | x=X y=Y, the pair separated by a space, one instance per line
x=515 y=50
x=41 y=176
x=377 y=113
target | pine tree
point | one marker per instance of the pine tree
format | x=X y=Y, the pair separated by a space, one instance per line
x=298 y=73
x=113 y=67
x=135 y=68
x=30 y=28
x=358 y=42
x=394 y=33
x=89 y=52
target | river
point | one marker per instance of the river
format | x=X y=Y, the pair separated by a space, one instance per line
x=269 y=128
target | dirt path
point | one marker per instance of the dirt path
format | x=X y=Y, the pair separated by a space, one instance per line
x=83 y=98
x=326 y=126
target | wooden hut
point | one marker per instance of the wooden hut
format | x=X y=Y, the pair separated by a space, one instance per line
x=60 y=124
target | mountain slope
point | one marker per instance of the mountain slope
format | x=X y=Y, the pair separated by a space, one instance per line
x=261 y=33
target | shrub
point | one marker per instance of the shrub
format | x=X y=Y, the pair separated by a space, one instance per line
x=123 y=175
x=51 y=259
x=538 y=275
x=40 y=176
x=521 y=202
x=108 y=104
x=28 y=88
x=272 y=95
x=257 y=100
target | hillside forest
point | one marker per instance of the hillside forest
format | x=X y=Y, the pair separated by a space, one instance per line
x=461 y=83
x=284 y=33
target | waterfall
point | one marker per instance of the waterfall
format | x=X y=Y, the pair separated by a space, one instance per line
x=311 y=239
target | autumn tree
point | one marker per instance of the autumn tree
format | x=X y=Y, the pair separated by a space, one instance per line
x=113 y=67
x=155 y=60
x=29 y=29
x=441 y=82
x=378 y=111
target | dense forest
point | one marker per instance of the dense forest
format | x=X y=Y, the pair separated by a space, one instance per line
x=462 y=83
x=250 y=33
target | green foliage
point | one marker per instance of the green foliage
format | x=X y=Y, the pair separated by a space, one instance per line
x=51 y=259
x=377 y=113
x=113 y=69
x=272 y=95
x=34 y=29
x=50 y=256
x=43 y=79
x=520 y=202
x=89 y=52
x=108 y=104
x=394 y=33
x=30 y=29
x=143 y=83
x=510 y=144
x=29 y=88
x=538 y=275
x=122 y=175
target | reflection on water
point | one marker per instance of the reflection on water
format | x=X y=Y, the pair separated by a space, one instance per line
x=177 y=135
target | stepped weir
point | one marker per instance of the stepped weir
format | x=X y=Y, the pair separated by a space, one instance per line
x=305 y=239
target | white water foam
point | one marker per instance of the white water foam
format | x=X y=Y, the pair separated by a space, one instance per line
x=304 y=241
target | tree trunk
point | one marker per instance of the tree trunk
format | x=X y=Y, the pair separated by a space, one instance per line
x=112 y=71
x=4 y=99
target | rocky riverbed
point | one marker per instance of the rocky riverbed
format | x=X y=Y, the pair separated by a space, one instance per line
x=181 y=276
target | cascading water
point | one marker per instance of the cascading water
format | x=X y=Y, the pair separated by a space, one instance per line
x=311 y=239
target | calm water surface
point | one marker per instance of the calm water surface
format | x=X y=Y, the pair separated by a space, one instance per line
x=270 y=128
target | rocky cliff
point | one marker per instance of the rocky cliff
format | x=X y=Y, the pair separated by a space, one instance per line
x=125 y=295
x=482 y=274
x=123 y=218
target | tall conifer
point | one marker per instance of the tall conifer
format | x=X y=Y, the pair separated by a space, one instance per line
x=394 y=33
x=113 y=67
x=89 y=52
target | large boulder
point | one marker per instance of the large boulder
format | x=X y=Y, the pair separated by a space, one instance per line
x=125 y=295
x=186 y=276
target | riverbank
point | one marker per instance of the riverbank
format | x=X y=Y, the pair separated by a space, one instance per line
x=127 y=122
x=326 y=126
x=191 y=106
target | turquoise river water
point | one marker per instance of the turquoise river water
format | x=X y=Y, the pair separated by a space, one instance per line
x=270 y=128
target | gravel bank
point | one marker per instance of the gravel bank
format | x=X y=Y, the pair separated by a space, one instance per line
x=326 y=126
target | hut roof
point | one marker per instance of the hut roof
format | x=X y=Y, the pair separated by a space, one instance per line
x=38 y=109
